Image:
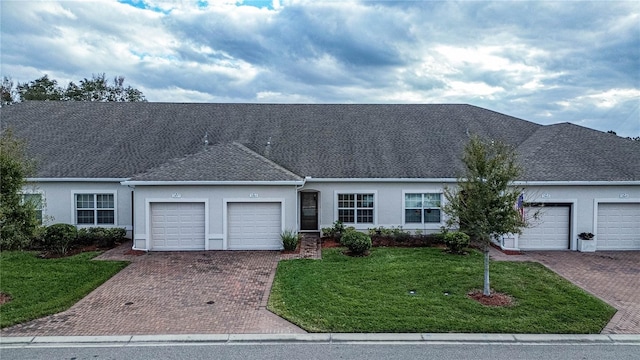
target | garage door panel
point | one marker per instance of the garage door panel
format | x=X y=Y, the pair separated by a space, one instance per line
x=548 y=231
x=618 y=226
x=254 y=226
x=177 y=226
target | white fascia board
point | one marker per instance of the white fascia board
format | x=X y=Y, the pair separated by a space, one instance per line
x=183 y=183
x=380 y=180
x=76 y=179
x=575 y=183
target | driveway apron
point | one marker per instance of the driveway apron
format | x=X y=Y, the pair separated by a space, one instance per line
x=174 y=293
x=613 y=276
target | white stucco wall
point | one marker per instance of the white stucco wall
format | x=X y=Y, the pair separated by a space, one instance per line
x=389 y=198
x=215 y=197
x=388 y=202
x=59 y=202
x=584 y=200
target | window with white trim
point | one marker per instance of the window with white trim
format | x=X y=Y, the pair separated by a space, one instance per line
x=95 y=209
x=355 y=208
x=34 y=199
x=422 y=208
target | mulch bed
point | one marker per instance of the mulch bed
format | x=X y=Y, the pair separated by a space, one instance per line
x=495 y=299
x=296 y=251
x=77 y=250
x=386 y=241
x=328 y=242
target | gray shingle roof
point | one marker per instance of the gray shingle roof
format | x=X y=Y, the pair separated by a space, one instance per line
x=570 y=152
x=91 y=140
x=220 y=162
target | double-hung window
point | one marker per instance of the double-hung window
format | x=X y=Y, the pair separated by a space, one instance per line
x=422 y=208
x=95 y=209
x=355 y=208
x=36 y=201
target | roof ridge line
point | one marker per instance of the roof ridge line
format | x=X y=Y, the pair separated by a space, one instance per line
x=264 y=159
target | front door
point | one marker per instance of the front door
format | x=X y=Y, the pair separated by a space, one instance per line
x=309 y=211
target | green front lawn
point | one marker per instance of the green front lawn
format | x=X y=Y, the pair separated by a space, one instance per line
x=371 y=294
x=42 y=287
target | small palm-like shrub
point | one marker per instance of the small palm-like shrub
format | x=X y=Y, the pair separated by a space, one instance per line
x=358 y=243
x=289 y=240
x=456 y=241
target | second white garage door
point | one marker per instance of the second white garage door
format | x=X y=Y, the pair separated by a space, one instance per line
x=618 y=226
x=177 y=226
x=254 y=226
x=550 y=231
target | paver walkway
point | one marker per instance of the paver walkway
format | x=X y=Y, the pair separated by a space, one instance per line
x=173 y=293
x=613 y=276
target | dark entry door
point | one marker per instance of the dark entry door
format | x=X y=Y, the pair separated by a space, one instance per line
x=308 y=211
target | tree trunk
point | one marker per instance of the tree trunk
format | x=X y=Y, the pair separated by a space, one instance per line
x=487 y=289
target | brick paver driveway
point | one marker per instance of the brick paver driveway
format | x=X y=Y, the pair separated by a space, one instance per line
x=174 y=293
x=612 y=276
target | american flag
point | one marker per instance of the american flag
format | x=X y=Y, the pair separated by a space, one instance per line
x=520 y=205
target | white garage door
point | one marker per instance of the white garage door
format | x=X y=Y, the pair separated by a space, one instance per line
x=550 y=231
x=254 y=226
x=618 y=227
x=177 y=226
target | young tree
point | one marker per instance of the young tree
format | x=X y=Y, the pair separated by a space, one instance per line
x=17 y=218
x=483 y=204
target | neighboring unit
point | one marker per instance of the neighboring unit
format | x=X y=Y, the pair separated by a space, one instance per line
x=234 y=176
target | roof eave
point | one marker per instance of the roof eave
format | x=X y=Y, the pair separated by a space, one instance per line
x=71 y=179
x=204 y=182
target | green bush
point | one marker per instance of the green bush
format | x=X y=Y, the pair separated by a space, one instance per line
x=456 y=241
x=101 y=237
x=335 y=231
x=289 y=240
x=59 y=238
x=358 y=243
x=399 y=234
x=13 y=238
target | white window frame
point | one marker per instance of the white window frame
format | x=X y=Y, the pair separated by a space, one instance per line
x=423 y=224
x=355 y=222
x=40 y=208
x=75 y=209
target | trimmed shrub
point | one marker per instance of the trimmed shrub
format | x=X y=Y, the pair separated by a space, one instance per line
x=59 y=238
x=358 y=243
x=101 y=237
x=456 y=241
x=289 y=240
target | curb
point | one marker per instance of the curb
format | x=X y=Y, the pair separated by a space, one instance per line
x=335 y=338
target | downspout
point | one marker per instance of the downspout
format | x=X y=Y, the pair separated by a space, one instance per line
x=298 y=213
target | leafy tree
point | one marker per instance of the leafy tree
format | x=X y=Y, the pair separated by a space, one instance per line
x=98 y=88
x=17 y=218
x=6 y=91
x=483 y=204
x=40 y=89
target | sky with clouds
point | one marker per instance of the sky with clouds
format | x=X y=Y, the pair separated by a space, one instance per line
x=547 y=62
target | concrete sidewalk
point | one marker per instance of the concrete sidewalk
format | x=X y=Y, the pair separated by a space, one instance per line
x=141 y=340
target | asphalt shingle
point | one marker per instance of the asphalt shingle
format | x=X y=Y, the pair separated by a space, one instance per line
x=120 y=140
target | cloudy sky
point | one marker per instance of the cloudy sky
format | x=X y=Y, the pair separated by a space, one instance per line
x=547 y=62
